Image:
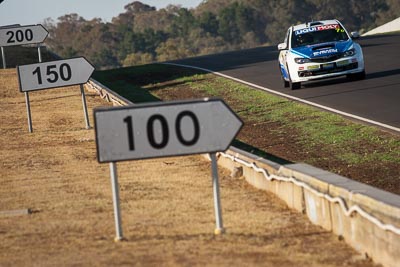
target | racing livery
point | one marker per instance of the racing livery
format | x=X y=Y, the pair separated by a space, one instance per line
x=317 y=50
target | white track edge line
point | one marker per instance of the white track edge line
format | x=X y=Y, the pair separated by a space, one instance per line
x=291 y=97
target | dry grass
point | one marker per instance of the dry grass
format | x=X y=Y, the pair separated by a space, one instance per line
x=167 y=206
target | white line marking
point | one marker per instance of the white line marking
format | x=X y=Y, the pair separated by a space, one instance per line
x=291 y=97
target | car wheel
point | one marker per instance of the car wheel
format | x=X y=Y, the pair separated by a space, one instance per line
x=286 y=84
x=291 y=84
x=295 y=86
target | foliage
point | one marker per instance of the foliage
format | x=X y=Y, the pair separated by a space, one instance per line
x=143 y=34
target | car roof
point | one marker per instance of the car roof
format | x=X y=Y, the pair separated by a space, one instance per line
x=314 y=23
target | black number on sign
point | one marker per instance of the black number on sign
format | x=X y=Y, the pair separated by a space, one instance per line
x=165 y=131
x=65 y=72
x=128 y=121
x=196 y=125
x=29 y=35
x=52 y=75
x=159 y=144
x=11 y=39
x=39 y=74
x=19 y=36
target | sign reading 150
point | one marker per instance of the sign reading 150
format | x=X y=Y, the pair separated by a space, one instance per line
x=53 y=74
x=165 y=130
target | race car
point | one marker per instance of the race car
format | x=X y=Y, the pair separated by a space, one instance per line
x=319 y=50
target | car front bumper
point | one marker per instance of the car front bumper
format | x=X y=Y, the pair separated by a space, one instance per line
x=314 y=71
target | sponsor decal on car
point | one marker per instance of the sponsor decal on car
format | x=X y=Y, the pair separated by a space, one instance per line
x=318 y=28
x=324 y=52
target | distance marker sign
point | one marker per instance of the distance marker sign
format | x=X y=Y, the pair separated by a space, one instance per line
x=17 y=35
x=164 y=129
x=53 y=74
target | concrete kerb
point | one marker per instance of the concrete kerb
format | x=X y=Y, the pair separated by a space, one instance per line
x=367 y=218
x=361 y=214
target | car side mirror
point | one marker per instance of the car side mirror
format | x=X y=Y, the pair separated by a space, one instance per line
x=355 y=35
x=282 y=46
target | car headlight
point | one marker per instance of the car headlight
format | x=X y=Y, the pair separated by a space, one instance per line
x=301 y=60
x=350 y=52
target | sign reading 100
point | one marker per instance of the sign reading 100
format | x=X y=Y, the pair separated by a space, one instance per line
x=165 y=131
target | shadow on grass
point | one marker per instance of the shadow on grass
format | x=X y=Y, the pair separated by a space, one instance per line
x=131 y=82
x=23 y=55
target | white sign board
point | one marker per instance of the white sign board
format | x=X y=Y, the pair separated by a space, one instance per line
x=53 y=74
x=12 y=36
x=164 y=129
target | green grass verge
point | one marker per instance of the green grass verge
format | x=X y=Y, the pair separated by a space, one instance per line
x=317 y=130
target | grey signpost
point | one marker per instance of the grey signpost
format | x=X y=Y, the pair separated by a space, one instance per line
x=54 y=74
x=3 y=56
x=161 y=130
x=15 y=35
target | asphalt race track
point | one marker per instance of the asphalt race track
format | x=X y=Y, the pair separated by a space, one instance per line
x=377 y=98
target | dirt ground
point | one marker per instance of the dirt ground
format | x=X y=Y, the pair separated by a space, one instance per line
x=166 y=204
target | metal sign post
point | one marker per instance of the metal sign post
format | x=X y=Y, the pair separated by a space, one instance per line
x=27 y=102
x=54 y=74
x=85 y=111
x=39 y=53
x=166 y=129
x=115 y=192
x=3 y=56
x=28 y=111
x=219 y=229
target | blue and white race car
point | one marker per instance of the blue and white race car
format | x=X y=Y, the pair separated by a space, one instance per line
x=317 y=50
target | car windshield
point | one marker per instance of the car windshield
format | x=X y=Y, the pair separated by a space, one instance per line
x=318 y=34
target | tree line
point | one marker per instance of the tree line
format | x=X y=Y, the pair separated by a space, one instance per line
x=143 y=34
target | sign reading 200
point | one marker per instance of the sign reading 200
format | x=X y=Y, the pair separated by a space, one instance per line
x=19 y=36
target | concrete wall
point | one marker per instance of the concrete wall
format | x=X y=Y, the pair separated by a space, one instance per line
x=367 y=218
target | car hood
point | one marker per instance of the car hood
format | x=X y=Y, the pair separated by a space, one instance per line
x=323 y=50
